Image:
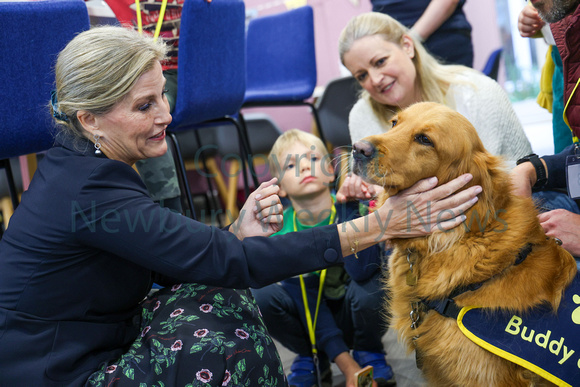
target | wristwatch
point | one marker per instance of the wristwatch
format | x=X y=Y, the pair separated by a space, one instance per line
x=538 y=166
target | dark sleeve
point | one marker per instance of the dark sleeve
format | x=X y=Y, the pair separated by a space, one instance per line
x=114 y=213
x=556 y=166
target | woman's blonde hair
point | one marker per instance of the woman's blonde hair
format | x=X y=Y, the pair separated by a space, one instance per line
x=433 y=78
x=286 y=140
x=97 y=69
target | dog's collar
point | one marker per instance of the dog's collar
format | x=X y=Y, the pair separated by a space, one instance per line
x=447 y=306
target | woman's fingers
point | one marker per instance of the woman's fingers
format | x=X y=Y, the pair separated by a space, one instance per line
x=419 y=187
x=456 y=204
x=447 y=189
x=267 y=206
x=440 y=207
x=271 y=212
x=448 y=224
x=449 y=211
x=424 y=191
x=266 y=189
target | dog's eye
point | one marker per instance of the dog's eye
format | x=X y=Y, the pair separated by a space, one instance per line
x=393 y=123
x=423 y=140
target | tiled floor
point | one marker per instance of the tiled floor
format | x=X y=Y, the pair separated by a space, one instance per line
x=537 y=125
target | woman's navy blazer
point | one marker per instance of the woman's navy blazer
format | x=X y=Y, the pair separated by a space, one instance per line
x=78 y=257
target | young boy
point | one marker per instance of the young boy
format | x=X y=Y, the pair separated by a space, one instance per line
x=348 y=314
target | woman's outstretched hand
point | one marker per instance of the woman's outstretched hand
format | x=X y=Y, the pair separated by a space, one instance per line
x=414 y=212
x=262 y=213
x=425 y=208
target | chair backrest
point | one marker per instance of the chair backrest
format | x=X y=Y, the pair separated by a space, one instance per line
x=211 y=62
x=334 y=106
x=191 y=149
x=262 y=133
x=31 y=36
x=491 y=68
x=281 y=60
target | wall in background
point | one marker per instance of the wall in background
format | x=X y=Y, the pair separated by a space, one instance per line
x=330 y=17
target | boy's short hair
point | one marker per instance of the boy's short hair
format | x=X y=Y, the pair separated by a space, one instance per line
x=285 y=140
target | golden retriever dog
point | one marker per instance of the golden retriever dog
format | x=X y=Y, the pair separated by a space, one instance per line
x=429 y=139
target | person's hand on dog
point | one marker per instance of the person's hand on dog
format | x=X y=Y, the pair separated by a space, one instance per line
x=564 y=225
x=523 y=178
x=262 y=213
x=354 y=188
x=424 y=208
x=417 y=211
x=529 y=22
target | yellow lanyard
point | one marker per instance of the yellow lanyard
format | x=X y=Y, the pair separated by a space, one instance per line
x=159 y=20
x=566 y=107
x=309 y=322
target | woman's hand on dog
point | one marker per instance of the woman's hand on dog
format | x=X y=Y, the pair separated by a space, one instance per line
x=564 y=225
x=417 y=211
x=425 y=208
x=354 y=188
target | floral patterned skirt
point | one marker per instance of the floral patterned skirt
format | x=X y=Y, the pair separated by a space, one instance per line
x=197 y=335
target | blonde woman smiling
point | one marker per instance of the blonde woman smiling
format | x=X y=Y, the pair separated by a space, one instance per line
x=396 y=71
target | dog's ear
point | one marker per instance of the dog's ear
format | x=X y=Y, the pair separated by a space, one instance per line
x=490 y=172
x=485 y=167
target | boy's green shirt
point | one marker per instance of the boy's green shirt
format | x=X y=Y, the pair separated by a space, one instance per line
x=336 y=276
x=289 y=223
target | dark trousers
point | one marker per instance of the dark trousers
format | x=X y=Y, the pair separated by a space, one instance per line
x=360 y=315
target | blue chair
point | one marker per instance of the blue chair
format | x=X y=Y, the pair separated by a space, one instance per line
x=281 y=61
x=31 y=36
x=211 y=77
x=491 y=68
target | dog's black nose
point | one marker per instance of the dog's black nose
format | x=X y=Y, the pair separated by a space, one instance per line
x=363 y=150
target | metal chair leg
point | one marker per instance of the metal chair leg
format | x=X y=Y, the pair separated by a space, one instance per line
x=186 y=199
x=5 y=163
x=213 y=201
x=246 y=152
